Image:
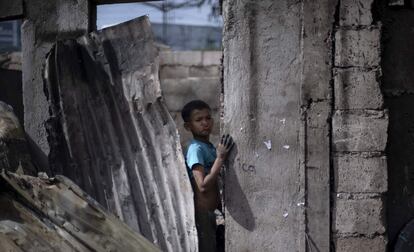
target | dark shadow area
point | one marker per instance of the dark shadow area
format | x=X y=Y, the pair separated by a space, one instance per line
x=398 y=89
x=405 y=242
x=38 y=157
x=235 y=200
x=11 y=91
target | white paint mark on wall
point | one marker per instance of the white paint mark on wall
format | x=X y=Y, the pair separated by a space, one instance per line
x=286 y=146
x=268 y=144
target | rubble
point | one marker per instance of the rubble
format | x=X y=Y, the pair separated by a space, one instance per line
x=14 y=151
x=56 y=215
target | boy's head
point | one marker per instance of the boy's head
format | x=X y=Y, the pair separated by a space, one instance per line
x=197 y=118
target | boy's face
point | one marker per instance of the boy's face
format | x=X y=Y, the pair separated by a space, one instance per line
x=200 y=123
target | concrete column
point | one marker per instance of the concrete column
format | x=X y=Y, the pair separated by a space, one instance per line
x=45 y=22
x=262 y=77
x=397 y=84
x=277 y=105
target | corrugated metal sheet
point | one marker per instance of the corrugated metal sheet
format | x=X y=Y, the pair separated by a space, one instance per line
x=111 y=133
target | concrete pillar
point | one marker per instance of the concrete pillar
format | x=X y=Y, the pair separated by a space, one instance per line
x=262 y=77
x=277 y=105
x=45 y=22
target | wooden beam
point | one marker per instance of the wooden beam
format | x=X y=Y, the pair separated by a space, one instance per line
x=11 y=9
x=120 y=1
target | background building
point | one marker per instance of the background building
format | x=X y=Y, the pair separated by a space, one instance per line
x=188 y=37
x=10 y=36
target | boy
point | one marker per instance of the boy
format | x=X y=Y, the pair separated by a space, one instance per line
x=204 y=162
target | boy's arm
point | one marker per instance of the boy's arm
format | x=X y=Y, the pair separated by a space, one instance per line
x=206 y=182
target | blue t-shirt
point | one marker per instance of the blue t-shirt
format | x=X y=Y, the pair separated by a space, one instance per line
x=202 y=153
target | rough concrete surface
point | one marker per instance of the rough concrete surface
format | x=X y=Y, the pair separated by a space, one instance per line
x=178 y=92
x=359 y=216
x=263 y=184
x=355 y=12
x=277 y=76
x=174 y=71
x=45 y=22
x=361 y=244
x=357 y=89
x=357 y=47
x=316 y=95
x=206 y=71
x=360 y=173
x=110 y=132
x=317 y=50
x=318 y=175
x=359 y=131
x=190 y=58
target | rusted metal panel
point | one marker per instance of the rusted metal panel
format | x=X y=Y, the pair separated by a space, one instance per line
x=42 y=214
x=111 y=132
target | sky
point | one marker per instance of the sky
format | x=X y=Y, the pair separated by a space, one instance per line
x=112 y=14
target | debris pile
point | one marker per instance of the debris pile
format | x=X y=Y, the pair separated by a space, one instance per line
x=54 y=214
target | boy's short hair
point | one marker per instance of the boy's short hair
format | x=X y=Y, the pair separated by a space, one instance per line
x=193 y=105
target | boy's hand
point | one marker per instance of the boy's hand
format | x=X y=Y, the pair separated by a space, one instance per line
x=224 y=146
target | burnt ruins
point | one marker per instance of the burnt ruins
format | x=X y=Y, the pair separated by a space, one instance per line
x=317 y=95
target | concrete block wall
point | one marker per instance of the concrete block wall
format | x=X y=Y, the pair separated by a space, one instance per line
x=359 y=132
x=189 y=75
